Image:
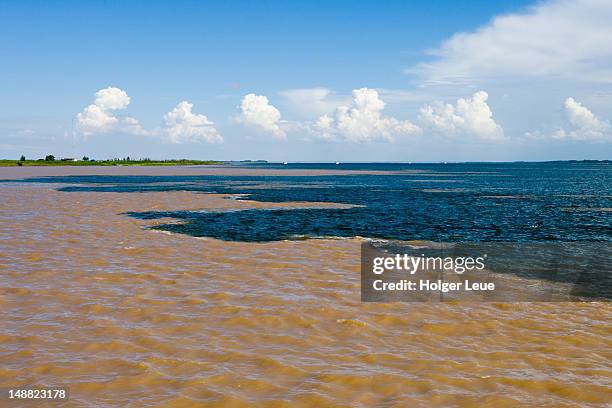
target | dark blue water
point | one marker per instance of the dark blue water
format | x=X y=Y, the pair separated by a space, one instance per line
x=471 y=202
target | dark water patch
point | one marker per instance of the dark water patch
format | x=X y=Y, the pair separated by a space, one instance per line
x=375 y=222
x=527 y=204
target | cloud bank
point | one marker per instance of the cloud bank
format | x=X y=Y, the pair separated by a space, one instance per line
x=361 y=121
x=558 y=39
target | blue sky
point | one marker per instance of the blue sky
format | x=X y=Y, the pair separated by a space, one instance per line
x=307 y=81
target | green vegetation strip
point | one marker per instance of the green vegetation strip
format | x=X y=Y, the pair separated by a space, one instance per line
x=145 y=162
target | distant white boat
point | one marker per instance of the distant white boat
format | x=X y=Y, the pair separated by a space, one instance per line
x=284 y=162
x=337 y=162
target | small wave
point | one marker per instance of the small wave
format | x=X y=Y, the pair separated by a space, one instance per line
x=596 y=209
x=509 y=197
x=352 y=322
x=444 y=190
x=434 y=181
x=302 y=237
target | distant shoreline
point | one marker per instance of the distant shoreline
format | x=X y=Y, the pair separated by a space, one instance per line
x=46 y=163
x=187 y=162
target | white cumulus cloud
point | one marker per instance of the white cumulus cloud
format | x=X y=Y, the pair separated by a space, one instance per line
x=553 y=39
x=585 y=126
x=112 y=99
x=100 y=117
x=257 y=112
x=94 y=119
x=469 y=117
x=181 y=125
x=362 y=121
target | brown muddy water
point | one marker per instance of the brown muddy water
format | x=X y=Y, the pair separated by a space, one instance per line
x=123 y=316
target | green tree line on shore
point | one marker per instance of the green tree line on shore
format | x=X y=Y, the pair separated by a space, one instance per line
x=51 y=160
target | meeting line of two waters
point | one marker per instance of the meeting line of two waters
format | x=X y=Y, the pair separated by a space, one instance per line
x=200 y=287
